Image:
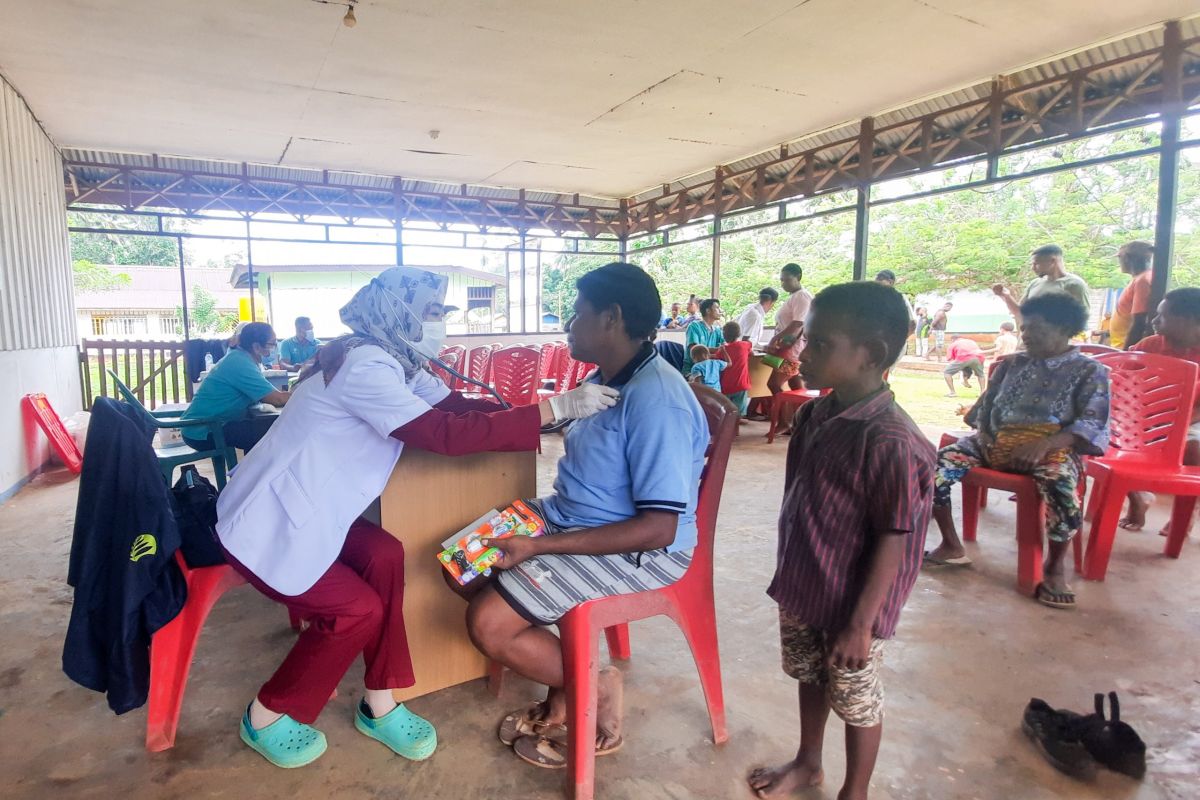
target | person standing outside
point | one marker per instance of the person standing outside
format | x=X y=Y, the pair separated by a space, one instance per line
x=298 y=350
x=922 y=332
x=1131 y=318
x=1052 y=276
x=888 y=278
x=965 y=356
x=703 y=331
x=789 y=325
x=754 y=316
x=937 y=327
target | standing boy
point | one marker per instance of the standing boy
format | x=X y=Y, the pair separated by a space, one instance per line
x=735 y=378
x=858 y=493
x=937 y=327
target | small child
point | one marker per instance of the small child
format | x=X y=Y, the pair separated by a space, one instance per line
x=1042 y=410
x=705 y=369
x=1177 y=333
x=857 y=496
x=735 y=378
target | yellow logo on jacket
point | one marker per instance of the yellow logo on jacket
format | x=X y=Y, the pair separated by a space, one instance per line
x=143 y=545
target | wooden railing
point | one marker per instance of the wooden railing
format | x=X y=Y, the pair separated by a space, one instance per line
x=153 y=370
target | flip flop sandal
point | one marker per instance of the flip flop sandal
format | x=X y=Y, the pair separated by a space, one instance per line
x=1046 y=597
x=402 y=731
x=1132 y=527
x=958 y=561
x=285 y=742
x=550 y=752
x=520 y=723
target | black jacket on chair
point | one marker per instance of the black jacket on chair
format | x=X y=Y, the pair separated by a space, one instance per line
x=127 y=584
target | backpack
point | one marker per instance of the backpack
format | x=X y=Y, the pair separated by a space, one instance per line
x=195 y=510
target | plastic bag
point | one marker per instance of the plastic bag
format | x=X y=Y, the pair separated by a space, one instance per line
x=77 y=426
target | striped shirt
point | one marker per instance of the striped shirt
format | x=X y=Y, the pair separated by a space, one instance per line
x=851 y=476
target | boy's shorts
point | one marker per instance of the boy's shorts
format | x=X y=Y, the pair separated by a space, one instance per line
x=740 y=400
x=855 y=695
x=972 y=367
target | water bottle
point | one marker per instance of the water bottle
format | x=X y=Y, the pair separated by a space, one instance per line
x=208 y=362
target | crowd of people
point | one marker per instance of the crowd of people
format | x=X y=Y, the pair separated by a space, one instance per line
x=862 y=483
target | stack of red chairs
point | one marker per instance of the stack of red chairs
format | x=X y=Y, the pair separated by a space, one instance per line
x=479 y=363
x=455 y=357
x=515 y=373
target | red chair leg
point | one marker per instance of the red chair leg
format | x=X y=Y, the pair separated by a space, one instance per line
x=1029 y=542
x=699 y=625
x=581 y=656
x=970 y=511
x=618 y=641
x=1181 y=519
x=1104 y=530
x=1077 y=547
x=171 y=651
x=983 y=495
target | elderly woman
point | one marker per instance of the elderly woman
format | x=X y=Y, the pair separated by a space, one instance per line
x=289 y=518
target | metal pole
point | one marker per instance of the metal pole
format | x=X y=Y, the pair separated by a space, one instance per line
x=862 y=222
x=183 y=291
x=399 y=243
x=1168 y=162
x=623 y=249
x=522 y=244
x=250 y=270
x=716 y=258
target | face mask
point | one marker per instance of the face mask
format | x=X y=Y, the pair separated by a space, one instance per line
x=433 y=333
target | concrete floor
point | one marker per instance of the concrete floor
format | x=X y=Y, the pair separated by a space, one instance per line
x=969 y=654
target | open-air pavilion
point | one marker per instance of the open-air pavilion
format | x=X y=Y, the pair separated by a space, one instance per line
x=517 y=146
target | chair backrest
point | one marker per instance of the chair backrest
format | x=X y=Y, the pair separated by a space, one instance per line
x=479 y=363
x=131 y=398
x=722 y=427
x=579 y=371
x=558 y=370
x=1096 y=349
x=453 y=356
x=1151 y=405
x=515 y=374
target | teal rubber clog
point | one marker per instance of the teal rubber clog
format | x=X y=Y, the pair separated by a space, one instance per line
x=285 y=742
x=404 y=733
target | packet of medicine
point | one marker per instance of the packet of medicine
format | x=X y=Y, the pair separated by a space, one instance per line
x=466 y=558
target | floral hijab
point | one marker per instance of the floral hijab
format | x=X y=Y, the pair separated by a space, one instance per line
x=387 y=313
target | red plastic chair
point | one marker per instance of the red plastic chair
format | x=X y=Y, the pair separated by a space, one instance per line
x=479 y=363
x=688 y=601
x=38 y=408
x=1097 y=349
x=1152 y=400
x=172 y=647
x=786 y=404
x=579 y=371
x=1031 y=515
x=455 y=357
x=515 y=374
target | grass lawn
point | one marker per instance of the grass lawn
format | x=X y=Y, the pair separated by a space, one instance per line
x=923 y=396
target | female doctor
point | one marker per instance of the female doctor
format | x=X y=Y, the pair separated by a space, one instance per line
x=289 y=518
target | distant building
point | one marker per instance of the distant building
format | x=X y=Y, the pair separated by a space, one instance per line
x=149 y=307
x=319 y=291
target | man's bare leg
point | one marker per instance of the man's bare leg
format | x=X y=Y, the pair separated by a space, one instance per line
x=951 y=546
x=862 y=747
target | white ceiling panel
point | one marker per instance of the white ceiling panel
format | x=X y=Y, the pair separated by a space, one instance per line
x=602 y=98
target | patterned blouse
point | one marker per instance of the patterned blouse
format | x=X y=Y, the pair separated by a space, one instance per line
x=1069 y=390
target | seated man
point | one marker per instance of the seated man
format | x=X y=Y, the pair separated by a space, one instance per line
x=622 y=517
x=298 y=350
x=965 y=356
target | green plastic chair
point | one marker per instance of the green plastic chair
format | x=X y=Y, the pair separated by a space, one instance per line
x=169 y=458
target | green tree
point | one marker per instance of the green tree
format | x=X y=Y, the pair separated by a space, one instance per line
x=124 y=249
x=88 y=277
x=203 y=316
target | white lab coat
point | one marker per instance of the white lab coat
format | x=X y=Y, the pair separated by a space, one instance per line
x=288 y=506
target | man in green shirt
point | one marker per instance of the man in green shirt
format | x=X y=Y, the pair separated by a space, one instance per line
x=1051 y=277
x=294 y=352
x=229 y=389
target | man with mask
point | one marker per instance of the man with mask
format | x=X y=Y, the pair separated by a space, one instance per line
x=298 y=350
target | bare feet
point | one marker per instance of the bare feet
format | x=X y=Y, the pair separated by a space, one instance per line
x=785 y=779
x=1135 y=518
x=610 y=701
x=944 y=553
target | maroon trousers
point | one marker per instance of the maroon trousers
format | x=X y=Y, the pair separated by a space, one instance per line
x=357 y=606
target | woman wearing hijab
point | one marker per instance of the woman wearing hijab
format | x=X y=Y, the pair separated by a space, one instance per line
x=289 y=518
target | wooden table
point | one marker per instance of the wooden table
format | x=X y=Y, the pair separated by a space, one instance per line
x=759 y=373
x=428 y=498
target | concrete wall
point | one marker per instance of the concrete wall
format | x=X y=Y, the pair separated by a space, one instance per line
x=37 y=307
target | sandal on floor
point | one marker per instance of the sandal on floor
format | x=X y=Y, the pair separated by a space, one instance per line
x=1133 y=527
x=402 y=731
x=523 y=722
x=928 y=560
x=549 y=749
x=285 y=742
x=1054 y=599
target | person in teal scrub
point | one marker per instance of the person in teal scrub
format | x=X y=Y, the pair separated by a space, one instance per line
x=299 y=350
x=232 y=386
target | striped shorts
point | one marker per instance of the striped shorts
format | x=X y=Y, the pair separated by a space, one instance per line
x=544 y=588
x=854 y=695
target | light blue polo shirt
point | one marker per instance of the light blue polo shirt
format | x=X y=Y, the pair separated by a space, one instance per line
x=645 y=453
x=295 y=351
